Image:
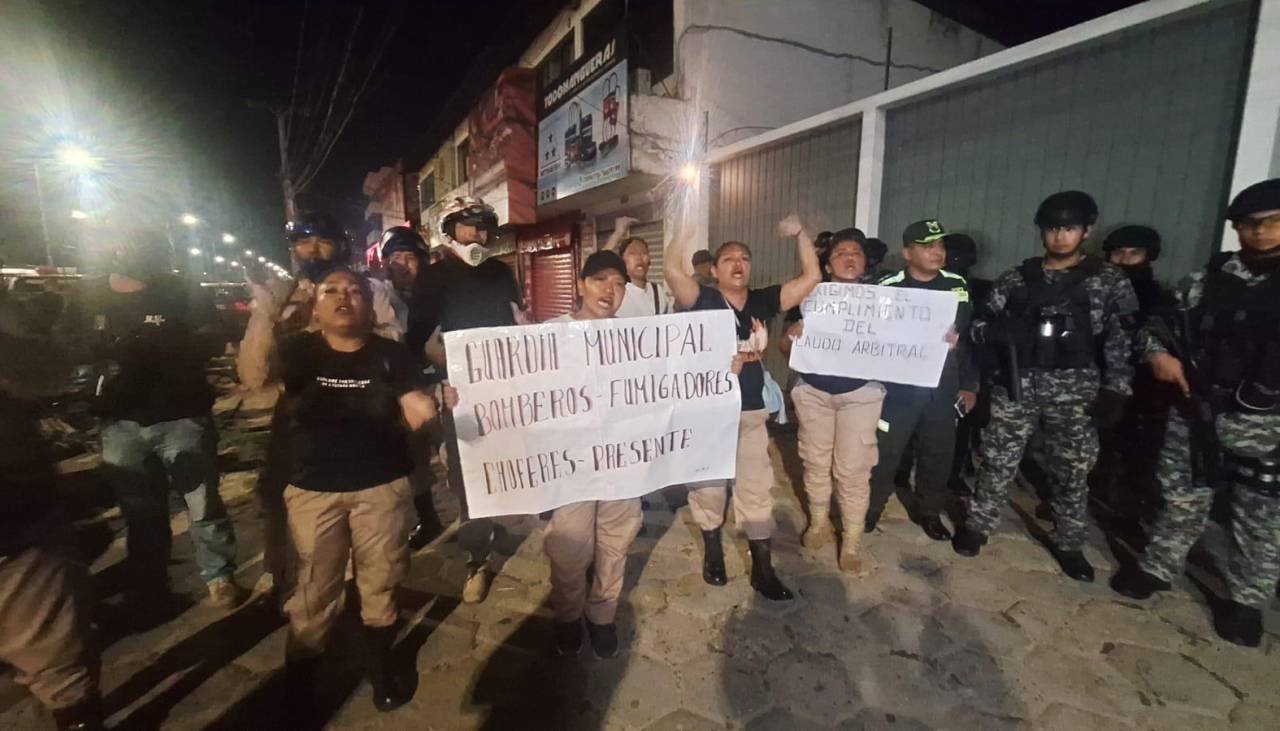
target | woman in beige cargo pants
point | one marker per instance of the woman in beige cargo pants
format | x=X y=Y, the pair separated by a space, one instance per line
x=353 y=398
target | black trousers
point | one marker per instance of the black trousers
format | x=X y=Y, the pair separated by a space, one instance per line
x=926 y=419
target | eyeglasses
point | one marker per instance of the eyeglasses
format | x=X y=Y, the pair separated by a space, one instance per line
x=1257 y=223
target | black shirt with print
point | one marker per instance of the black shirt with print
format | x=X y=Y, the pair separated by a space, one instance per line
x=762 y=304
x=344 y=412
x=160 y=339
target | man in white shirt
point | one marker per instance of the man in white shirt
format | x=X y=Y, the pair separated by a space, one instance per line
x=643 y=298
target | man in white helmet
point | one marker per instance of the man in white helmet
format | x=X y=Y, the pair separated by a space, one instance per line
x=463 y=290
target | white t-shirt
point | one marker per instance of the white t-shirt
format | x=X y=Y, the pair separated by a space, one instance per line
x=640 y=301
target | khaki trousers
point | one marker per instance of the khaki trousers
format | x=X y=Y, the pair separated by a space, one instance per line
x=838 y=434
x=752 y=500
x=44 y=626
x=582 y=535
x=370 y=527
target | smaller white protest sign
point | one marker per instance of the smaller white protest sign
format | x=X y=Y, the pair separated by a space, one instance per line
x=564 y=412
x=893 y=334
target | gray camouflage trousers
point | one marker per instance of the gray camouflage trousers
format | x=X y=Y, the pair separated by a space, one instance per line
x=1253 y=562
x=1058 y=410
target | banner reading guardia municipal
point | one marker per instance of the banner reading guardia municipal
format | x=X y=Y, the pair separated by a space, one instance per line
x=563 y=412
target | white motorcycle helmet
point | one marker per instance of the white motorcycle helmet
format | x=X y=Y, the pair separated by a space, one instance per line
x=468 y=211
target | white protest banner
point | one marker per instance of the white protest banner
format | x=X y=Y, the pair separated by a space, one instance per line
x=893 y=334
x=563 y=412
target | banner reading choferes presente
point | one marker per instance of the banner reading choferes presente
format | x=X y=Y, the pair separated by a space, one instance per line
x=563 y=412
x=890 y=334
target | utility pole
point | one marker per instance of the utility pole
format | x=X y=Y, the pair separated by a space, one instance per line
x=44 y=224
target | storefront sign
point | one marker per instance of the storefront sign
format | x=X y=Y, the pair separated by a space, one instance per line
x=582 y=125
x=563 y=412
x=889 y=334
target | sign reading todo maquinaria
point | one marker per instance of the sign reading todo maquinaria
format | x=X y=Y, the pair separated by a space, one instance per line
x=893 y=334
x=563 y=412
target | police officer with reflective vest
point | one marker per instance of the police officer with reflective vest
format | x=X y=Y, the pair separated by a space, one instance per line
x=1221 y=351
x=1059 y=322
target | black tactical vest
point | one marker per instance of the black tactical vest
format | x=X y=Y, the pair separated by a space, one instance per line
x=1059 y=313
x=1232 y=328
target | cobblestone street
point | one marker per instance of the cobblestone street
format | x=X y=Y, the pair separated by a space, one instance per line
x=930 y=640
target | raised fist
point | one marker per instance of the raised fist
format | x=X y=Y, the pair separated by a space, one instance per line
x=790 y=226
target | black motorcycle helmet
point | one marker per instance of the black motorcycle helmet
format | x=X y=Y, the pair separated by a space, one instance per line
x=1068 y=208
x=401 y=238
x=1137 y=237
x=323 y=225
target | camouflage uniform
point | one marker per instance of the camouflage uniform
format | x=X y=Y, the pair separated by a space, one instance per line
x=1057 y=402
x=1254 y=560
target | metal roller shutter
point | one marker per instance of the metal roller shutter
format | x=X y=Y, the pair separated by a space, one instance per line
x=554 y=277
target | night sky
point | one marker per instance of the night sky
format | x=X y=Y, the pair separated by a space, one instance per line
x=181 y=77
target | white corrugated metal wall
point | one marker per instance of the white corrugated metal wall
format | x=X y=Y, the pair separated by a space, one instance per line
x=814 y=175
x=1143 y=120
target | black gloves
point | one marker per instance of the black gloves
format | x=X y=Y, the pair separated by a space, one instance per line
x=1108 y=408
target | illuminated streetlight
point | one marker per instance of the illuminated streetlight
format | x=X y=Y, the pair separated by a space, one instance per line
x=194 y=251
x=689 y=173
x=79 y=215
x=247 y=252
x=262 y=259
x=219 y=260
x=75 y=157
x=228 y=238
x=235 y=263
x=190 y=219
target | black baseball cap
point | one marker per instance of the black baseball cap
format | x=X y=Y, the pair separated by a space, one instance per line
x=602 y=260
x=923 y=232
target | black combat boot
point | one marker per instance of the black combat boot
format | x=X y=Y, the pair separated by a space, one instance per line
x=1135 y=583
x=83 y=716
x=763 y=579
x=300 y=689
x=390 y=691
x=604 y=639
x=934 y=528
x=713 y=559
x=1240 y=624
x=1075 y=565
x=967 y=541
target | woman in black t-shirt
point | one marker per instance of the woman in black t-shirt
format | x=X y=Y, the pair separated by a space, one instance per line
x=351 y=398
x=753 y=309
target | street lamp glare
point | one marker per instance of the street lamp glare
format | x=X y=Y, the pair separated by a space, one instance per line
x=262 y=259
x=228 y=238
x=75 y=157
x=219 y=259
x=190 y=219
x=79 y=215
x=235 y=263
x=194 y=251
x=247 y=252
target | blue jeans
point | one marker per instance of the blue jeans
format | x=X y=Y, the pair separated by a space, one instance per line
x=187 y=449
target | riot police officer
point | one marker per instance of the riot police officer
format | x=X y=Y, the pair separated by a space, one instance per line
x=1226 y=364
x=1052 y=317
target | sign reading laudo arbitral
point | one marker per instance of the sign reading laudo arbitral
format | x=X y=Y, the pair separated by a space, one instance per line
x=582 y=124
x=563 y=412
x=892 y=334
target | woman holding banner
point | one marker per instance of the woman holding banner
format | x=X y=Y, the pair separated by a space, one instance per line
x=754 y=309
x=350 y=396
x=838 y=418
